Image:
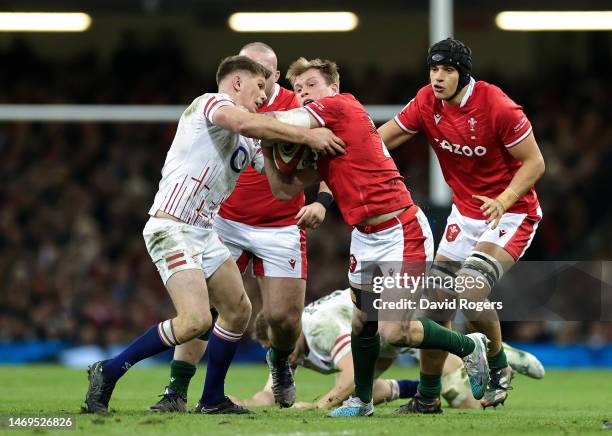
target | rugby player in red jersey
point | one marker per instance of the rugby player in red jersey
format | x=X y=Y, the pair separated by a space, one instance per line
x=491 y=161
x=387 y=226
x=257 y=227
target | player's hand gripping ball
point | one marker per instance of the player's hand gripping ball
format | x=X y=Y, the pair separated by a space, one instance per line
x=290 y=158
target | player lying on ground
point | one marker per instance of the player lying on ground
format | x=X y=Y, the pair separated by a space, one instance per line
x=325 y=346
x=257 y=227
x=374 y=200
x=491 y=161
x=212 y=146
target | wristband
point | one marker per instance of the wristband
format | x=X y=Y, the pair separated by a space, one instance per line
x=325 y=198
x=513 y=192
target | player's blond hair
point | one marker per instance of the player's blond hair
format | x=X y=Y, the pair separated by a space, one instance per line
x=328 y=69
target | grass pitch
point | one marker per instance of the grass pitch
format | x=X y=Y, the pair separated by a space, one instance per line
x=568 y=402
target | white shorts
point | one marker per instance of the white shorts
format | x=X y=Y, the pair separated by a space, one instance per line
x=514 y=233
x=399 y=241
x=175 y=246
x=275 y=251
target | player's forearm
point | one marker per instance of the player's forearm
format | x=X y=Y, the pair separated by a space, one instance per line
x=324 y=197
x=324 y=188
x=269 y=128
x=261 y=398
x=532 y=168
x=341 y=391
x=392 y=135
x=528 y=174
x=381 y=392
x=524 y=179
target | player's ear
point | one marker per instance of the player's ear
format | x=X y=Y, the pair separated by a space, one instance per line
x=335 y=87
x=276 y=76
x=237 y=82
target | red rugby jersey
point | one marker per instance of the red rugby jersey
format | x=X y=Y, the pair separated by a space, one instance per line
x=471 y=140
x=252 y=201
x=365 y=181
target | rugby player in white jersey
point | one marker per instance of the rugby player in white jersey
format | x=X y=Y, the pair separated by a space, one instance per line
x=257 y=227
x=325 y=347
x=212 y=146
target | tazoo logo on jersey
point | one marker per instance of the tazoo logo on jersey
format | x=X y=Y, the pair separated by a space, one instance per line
x=462 y=150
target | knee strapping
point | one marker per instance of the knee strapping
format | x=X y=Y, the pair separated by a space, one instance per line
x=438 y=269
x=166 y=333
x=484 y=265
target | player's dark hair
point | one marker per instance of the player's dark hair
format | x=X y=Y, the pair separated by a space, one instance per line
x=232 y=64
x=328 y=69
x=456 y=54
x=260 y=328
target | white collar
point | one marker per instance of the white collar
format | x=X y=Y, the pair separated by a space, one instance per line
x=468 y=92
x=466 y=96
x=274 y=94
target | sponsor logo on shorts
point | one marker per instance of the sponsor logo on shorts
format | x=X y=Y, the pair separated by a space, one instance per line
x=292 y=263
x=502 y=232
x=352 y=263
x=452 y=232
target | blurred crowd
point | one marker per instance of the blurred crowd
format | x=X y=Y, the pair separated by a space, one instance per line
x=75 y=196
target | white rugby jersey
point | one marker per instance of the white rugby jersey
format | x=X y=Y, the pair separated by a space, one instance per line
x=326 y=324
x=203 y=164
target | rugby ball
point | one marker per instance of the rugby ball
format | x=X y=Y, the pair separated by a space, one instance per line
x=290 y=158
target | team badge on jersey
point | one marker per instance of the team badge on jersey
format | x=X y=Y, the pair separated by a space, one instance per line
x=472 y=122
x=452 y=232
